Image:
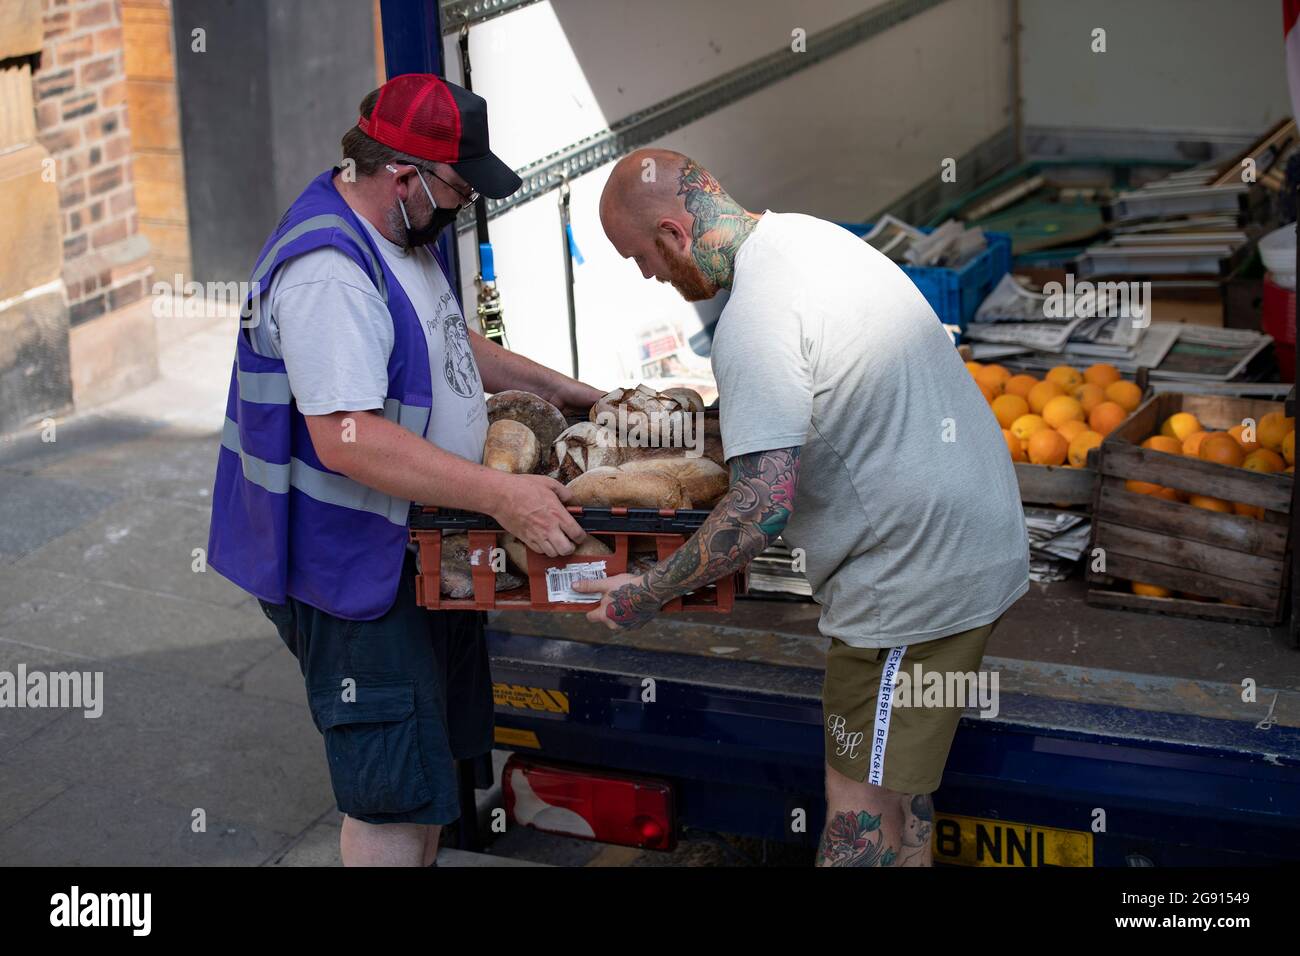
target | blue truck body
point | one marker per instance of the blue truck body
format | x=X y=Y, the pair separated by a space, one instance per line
x=741 y=744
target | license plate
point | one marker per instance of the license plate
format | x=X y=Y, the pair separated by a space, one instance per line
x=974 y=841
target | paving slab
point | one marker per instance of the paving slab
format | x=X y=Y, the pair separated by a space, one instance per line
x=34 y=511
x=92 y=825
x=252 y=762
x=158 y=632
x=144 y=544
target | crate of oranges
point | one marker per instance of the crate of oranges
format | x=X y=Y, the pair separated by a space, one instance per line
x=1192 y=509
x=1054 y=426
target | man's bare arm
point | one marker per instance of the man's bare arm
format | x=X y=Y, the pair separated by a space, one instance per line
x=750 y=516
x=502 y=369
x=385 y=456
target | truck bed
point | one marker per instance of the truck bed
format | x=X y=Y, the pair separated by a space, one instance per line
x=1137 y=715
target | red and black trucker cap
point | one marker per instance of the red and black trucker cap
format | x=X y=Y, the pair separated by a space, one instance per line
x=423 y=115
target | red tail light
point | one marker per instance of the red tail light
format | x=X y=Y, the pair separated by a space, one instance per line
x=631 y=811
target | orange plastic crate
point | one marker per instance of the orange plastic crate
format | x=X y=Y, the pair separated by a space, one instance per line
x=717 y=597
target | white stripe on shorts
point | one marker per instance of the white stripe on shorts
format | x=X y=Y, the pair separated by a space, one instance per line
x=884 y=708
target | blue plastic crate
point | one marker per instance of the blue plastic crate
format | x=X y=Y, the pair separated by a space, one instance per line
x=955 y=294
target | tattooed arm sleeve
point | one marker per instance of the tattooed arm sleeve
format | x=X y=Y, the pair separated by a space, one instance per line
x=749 y=517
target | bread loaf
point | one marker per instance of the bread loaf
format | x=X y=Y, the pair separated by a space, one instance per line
x=456 y=574
x=511 y=447
x=688 y=398
x=541 y=417
x=704 y=481
x=585 y=446
x=615 y=488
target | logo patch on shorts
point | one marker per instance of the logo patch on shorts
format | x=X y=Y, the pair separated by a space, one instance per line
x=846 y=742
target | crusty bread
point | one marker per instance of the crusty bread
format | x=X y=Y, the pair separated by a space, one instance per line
x=542 y=418
x=616 y=488
x=510 y=447
x=585 y=446
x=704 y=481
x=687 y=398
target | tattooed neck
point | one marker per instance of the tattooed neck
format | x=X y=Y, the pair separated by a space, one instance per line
x=721 y=224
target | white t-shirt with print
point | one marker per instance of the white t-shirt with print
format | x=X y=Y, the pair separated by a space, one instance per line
x=328 y=323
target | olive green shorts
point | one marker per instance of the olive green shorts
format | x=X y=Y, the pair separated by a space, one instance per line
x=899 y=737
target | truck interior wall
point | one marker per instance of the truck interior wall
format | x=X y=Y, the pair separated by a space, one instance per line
x=1197 y=71
x=839 y=140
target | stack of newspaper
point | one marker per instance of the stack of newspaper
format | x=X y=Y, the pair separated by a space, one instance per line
x=1057 y=539
x=950 y=245
x=1074 y=324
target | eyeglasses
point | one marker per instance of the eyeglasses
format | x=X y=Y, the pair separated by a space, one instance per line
x=470 y=200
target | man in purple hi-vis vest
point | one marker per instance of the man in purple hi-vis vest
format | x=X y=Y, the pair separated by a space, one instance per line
x=357 y=389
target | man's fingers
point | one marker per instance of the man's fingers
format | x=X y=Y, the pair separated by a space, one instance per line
x=559 y=542
x=562 y=491
x=571 y=528
x=593 y=586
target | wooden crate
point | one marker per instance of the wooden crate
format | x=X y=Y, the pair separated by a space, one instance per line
x=1180 y=547
x=1058 y=484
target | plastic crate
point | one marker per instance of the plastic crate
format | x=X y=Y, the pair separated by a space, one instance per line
x=618 y=526
x=955 y=294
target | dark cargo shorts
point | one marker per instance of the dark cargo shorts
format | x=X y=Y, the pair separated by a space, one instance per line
x=398 y=701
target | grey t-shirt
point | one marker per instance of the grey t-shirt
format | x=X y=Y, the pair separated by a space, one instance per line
x=907 y=510
x=335 y=334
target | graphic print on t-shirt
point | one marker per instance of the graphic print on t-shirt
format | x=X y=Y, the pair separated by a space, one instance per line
x=458 y=361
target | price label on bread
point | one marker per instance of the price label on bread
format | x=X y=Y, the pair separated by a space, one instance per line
x=560 y=582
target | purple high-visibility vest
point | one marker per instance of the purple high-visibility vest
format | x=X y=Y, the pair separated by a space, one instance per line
x=283 y=523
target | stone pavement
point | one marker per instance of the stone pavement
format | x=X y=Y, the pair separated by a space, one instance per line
x=203 y=707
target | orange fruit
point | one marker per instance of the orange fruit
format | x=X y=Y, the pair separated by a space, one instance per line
x=1077 y=454
x=1014 y=446
x=1248 y=511
x=1141 y=487
x=1210 y=504
x=1288 y=448
x=1179 y=425
x=1007 y=408
x=1238 y=432
x=1264 y=460
x=1027 y=425
x=1047 y=447
x=994 y=376
x=1102 y=374
x=1062 y=409
x=1072 y=429
x=1124 y=394
x=1105 y=418
x=1065 y=376
x=1192 y=443
x=1020 y=385
x=1042 y=393
x=987 y=392
x=1089 y=395
x=1169 y=494
x=1272 y=430
x=1149 y=590
x=974 y=367
x=1221 y=448
x=1170 y=446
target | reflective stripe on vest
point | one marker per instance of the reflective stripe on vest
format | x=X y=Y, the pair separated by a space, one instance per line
x=324 y=486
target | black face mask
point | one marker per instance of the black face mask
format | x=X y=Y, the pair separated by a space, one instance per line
x=442 y=218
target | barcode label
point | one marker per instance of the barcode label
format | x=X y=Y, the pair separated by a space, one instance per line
x=560 y=581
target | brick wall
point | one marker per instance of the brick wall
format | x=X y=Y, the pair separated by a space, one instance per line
x=81 y=118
